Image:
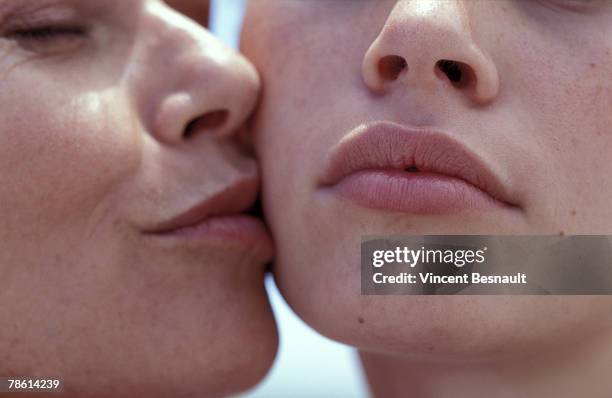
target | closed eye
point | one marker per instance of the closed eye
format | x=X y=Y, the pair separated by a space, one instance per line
x=47 y=33
x=49 y=39
x=578 y=5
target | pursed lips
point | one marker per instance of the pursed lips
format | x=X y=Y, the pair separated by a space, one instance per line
x=389 y=166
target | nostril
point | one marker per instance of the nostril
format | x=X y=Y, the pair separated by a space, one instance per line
x=391 y=66
x=457 y=72
x=451 y=69
x=208 y=122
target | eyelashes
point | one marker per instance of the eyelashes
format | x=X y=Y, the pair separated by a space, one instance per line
x=49 y=39
x=44 y=26
x=48 y=33
x=578 y=5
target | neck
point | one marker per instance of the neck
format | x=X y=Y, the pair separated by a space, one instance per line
x=582 y=370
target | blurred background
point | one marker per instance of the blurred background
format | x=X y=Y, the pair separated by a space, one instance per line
x=308 y=365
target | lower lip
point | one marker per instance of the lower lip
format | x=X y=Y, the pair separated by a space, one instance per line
x=416 y=193
x=233 y=230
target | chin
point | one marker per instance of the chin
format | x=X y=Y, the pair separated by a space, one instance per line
x=205 y=343
x=242 y=352
x=325 y=292
x=254 y=351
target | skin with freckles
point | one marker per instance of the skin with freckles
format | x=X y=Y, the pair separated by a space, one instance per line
x=118 y=117
x=532 y=102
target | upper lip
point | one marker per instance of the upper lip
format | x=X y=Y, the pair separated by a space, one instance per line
x=390 y=146
x=235 y=198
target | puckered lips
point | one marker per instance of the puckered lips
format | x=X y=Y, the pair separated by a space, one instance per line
x=391 y=167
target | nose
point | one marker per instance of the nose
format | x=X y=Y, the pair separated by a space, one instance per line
x=186 y=82
x=426 y=42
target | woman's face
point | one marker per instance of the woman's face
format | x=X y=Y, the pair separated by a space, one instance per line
x=514 y=132
x=124 y=266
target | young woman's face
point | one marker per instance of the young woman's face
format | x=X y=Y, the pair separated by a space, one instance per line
x=118 y=132
x=520 y=116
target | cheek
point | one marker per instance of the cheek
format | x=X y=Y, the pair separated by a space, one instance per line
x=554 y=75
x=300 y=106
x=61 y=158
x=557 y=93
